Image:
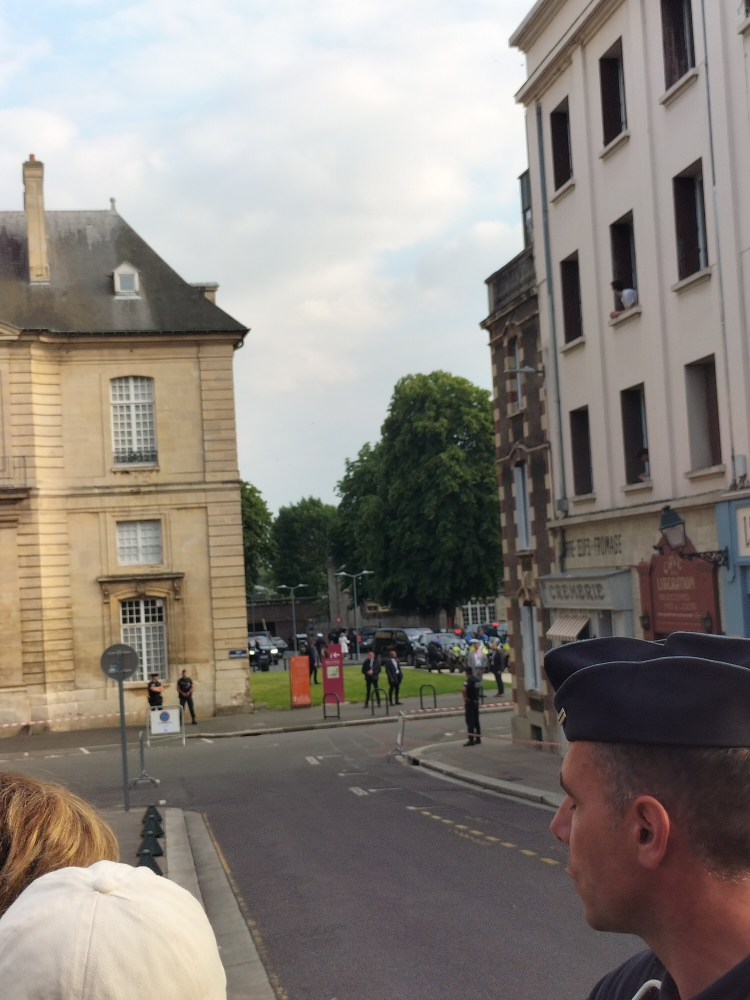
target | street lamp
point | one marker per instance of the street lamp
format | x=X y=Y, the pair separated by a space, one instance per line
x=672 y=528
x=284 y=586
x=354 y=578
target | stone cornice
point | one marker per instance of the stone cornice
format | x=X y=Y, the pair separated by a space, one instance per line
x=560 y=55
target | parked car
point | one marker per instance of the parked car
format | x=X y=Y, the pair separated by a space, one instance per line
x=403 y=640
x=451 y=650
x=366 y=637
x=279 y=643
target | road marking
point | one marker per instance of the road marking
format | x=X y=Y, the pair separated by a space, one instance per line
x=395 y=788
x=204 y=740
x=357 y=790
x=460 y=826
x=84 y=750
x=48 y=756
x=495 y=840
x=448 y=821
x=426 y=812
x=325 y=756
x=312 y=760
x=507 y=843
x=549 y=861
x=348 y=774
x=477 y=833
x=529 y=854
x=413 y=808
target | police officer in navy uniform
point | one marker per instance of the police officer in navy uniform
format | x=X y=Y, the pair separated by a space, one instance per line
x=470 y=690
x=657 y=807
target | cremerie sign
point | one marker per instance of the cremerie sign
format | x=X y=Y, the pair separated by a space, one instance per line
x=609 y=591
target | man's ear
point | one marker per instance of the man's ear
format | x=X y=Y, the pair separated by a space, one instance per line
x=650 y=826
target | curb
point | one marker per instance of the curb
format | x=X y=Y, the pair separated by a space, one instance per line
x=550 y=799
x=341 y=724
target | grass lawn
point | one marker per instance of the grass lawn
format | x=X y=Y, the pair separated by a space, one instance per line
x=272 y=688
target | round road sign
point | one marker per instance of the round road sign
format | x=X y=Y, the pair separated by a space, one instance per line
x=119 y=662
x=339 y=619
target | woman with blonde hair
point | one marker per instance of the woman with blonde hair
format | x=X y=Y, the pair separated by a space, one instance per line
x=44 y=827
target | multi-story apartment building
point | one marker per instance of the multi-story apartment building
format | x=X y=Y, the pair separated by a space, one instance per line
x=119 y=489
x=637 y=127
x=522 y=455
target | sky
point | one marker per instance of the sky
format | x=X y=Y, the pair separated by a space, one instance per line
x=346 y=170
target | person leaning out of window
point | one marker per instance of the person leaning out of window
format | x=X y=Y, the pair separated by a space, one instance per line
x=625 y=298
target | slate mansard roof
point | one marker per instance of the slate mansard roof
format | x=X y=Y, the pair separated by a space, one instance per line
x=84 y=248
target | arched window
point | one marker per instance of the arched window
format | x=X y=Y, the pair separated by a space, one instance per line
x=133 y=420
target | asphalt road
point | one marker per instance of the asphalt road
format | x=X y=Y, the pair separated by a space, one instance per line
x=372 y=880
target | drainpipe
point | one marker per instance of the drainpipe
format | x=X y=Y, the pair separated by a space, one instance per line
x=560 y=506
x=742 y=470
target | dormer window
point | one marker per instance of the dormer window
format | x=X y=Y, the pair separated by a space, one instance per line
x=127 y=285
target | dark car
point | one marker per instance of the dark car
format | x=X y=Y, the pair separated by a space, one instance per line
x=366 y=637
x=403 y=640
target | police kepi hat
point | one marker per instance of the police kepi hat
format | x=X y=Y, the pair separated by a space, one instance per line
x=692 y=689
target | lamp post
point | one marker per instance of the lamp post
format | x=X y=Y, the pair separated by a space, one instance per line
x=284 y=586
x=672 y=528
x=354 y=577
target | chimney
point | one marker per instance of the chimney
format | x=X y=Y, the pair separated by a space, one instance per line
x=36 y=230
x=209 y=289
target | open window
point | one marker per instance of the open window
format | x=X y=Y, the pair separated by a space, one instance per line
x=580 y=446
x=624 y=273
x=690 y=221
x=562 y=160
x=703 y=413
x=570 y=281
x=635 y=435
x=612 y=82
x=677 y=39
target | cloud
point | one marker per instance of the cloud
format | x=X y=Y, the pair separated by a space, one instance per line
x=346 y=171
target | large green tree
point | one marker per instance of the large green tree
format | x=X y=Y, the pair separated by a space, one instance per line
x=303 y=536
x=420 y=508
x=257 y=541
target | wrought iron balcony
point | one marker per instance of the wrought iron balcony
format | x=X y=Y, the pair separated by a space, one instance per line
x=518 y=276
x=126 y=456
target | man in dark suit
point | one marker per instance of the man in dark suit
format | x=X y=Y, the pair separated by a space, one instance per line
x=395 y=676
x=371 y=671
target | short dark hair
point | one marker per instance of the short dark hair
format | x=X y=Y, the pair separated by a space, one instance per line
x=618 y=285
x=705 y=790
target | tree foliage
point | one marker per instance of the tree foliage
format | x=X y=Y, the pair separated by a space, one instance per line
x=420 y=508
x=303 y=535
x=257 y=541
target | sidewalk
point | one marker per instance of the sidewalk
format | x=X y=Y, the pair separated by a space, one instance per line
x=523 y=770
x=193 y=861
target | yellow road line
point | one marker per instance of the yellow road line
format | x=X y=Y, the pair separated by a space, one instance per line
x=507 y=843
x=529 y=854
x=549 y=861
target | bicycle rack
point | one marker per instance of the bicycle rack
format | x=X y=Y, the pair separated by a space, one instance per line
x=379 y=690
x=434 y=695
x=331 y=694
x=143 y=776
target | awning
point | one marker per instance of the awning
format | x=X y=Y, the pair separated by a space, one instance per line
x=567 y=628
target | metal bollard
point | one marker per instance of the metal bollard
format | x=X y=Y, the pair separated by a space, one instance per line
x=434 y=695
x=332 y=694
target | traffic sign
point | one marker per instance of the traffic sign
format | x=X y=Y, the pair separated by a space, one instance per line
x=119 y=662
x=339 y=619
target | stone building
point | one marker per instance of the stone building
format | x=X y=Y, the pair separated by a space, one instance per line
x=522 y=455
x=119 y=488
x=639 y=178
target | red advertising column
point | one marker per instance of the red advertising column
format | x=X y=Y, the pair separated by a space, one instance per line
x=333 y=672
x=299 y=680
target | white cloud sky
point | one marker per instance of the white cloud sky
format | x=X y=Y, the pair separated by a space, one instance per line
x=345 y=169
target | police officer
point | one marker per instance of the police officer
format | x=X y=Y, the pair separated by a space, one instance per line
x=470 y=691
x=657 y=808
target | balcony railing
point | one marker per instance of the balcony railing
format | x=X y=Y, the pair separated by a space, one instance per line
x=13 y=472
x=126 y=456
x=509 y=282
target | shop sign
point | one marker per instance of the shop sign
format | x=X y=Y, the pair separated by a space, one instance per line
x=594 y=547
x=677 y=594
x=607 y=591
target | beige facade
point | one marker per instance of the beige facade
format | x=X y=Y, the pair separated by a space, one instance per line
x=623 y=189
x=85 y=526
